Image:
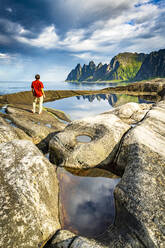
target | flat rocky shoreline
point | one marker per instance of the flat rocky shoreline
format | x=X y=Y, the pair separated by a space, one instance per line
x=128 y=141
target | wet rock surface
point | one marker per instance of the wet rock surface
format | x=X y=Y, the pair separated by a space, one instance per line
x=105 y=131
x=59 y=114
x=29 y=196
x=38 y=128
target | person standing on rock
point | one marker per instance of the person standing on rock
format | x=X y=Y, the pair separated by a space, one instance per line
x=38 y=93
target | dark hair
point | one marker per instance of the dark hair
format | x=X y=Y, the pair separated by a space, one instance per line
x=37 y=76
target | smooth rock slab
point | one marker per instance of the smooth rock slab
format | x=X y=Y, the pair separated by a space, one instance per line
x=7 y=133
x=105 y=131
x=34 y=125
x=141 y=191
x=140 y=195
x=29 y=196
x=131 y=112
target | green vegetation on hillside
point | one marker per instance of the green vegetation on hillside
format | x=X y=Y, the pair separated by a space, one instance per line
x=125 y=67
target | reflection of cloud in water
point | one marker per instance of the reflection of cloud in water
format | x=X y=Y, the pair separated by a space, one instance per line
x=78 y=109
x=82 y=114
x=83 y=106
x=111 y=98
x=89 y=203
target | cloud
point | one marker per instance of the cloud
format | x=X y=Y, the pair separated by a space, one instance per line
x=4 y=56
x=120 y=33
x=91 y=56
x=47 y=39
x=53 y=73
x=93 y=30
x=79 y=13
x=10 y=27
x=91 y=201
x=9 y=9
x=4 y=39
x=113 y=35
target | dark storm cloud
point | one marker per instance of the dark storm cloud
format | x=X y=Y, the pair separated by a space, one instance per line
x=72 y=25
x=64 y=14
x=30 y=14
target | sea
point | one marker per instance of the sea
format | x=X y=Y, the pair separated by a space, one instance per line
x=79 y=106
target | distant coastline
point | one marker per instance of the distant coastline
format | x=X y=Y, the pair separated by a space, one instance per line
x=98 y=81
x=112 y=81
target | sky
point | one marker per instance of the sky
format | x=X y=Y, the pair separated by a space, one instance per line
x=51 y=37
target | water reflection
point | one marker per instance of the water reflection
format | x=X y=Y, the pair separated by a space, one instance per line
x=111 y=98
x=87 y=203
x=96 y=85
x=118 y=99
x=78 y=107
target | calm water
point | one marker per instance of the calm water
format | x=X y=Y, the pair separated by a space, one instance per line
x=87 y=203
x=16 y=86
x=80 y=106
x=83 y=106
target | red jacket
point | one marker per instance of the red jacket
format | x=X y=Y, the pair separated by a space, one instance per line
x=37 y=86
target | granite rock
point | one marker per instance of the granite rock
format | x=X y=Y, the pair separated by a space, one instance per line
x=38 y=128
x=62 y=239
x=105 y=132
x=7 y=133
x=140 y=194
x=140 y=197
x=29 y=196
x=131 y=112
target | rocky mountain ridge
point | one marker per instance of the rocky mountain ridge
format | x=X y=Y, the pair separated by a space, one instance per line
x=124 y=67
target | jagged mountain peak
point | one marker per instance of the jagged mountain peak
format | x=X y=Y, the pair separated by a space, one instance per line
x=124 y=66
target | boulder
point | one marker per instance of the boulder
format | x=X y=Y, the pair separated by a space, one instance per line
x=59 y=114
x=62 y=239
x=81 y=242
x=29 y=196
x=140 y=194
x=131 y=112
x=38 y=127
x=66 y=239
x=21 y=134
x=7 y=133
x=140 y=198
x=105 y=132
